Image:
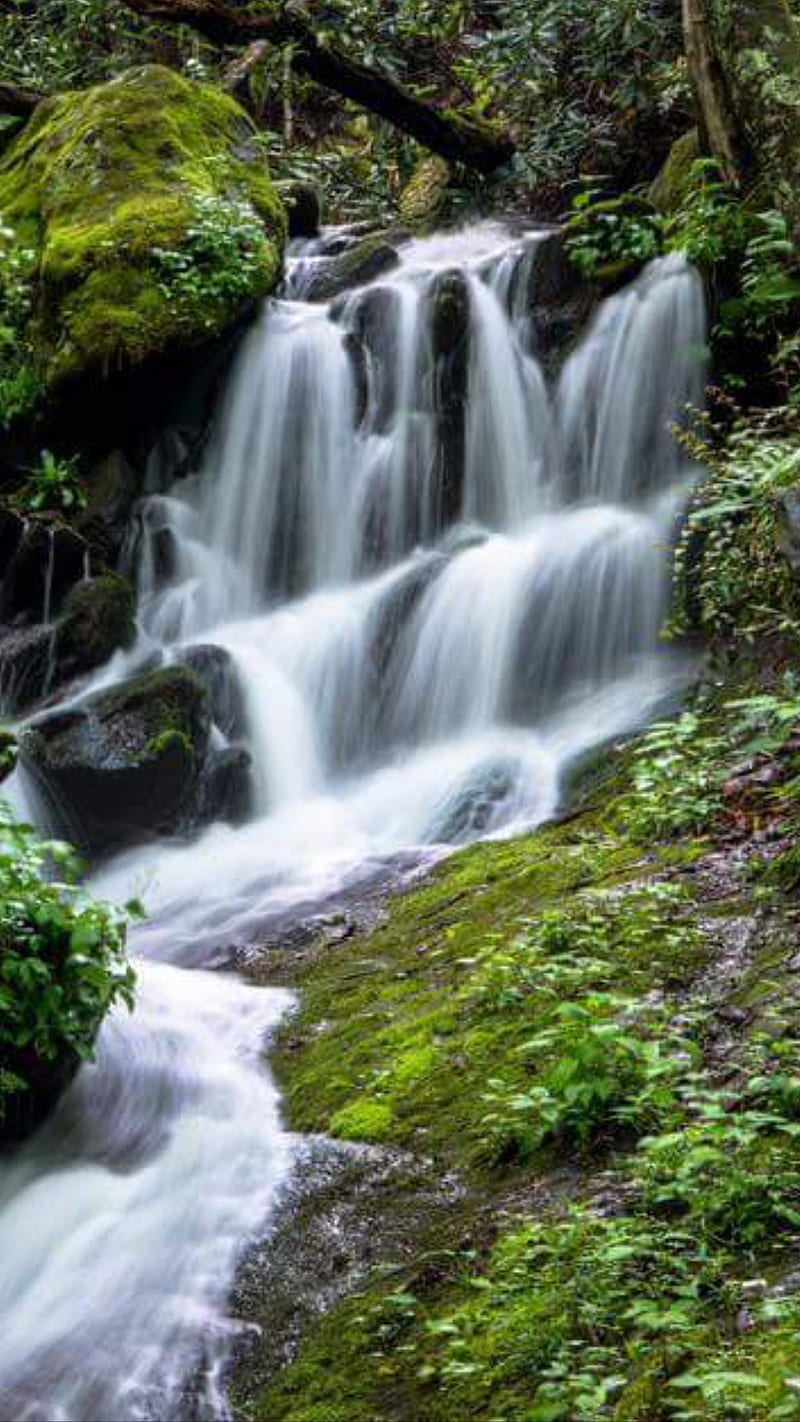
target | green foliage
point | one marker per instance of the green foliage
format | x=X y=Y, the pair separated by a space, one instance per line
x=605 y=235
x=19 y=381
x=220 y=256
x=731 y=576
x=676 y=779
x=54 y=486
x=62 y=960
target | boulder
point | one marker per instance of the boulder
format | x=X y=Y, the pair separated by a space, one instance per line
x=303 y=209
x=673 y=185
x=216 y=669
x=425 y=194
x=363 y=262
x=8 y=755
x=98 y=619
x=449 y=317
x=125 y=765
x=152 y=218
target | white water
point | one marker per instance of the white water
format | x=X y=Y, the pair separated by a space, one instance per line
x=427 y=635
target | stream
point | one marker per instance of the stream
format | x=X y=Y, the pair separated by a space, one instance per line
x=440 y=574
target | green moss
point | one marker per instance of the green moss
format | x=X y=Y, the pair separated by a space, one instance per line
x=120 y=189
x=166 y=741
x=671 y=189
x=362 y=1120
x=424 y=195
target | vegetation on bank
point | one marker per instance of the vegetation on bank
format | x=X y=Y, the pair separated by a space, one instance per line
x=62 y=966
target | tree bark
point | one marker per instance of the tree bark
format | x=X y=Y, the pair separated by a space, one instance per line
x=477 y=144
x=16 y=102
x=744 y=62
x=718 y=127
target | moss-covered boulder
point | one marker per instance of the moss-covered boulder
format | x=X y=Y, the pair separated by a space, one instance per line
x=148 y=204
x=673 y=185
x=423 y=198
x=126 y=764
x=360 y=263
x=98 y=619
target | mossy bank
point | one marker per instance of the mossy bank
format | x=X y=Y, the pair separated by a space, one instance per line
x=594 y=1030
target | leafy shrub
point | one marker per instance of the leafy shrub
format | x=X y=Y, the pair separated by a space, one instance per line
x=54 y=486
x=219 y=256
x=62 y=960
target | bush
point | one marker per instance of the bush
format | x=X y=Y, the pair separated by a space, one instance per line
x=62 y=966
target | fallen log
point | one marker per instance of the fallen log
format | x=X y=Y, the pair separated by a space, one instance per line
x=458 y=138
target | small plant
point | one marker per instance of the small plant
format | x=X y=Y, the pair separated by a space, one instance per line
x=677 y=782
x=62 y=957
x=604 y=234
x=219 y=255
x=54 y=486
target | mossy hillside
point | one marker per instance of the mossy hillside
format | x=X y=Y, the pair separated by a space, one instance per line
x=633 y=1217
x=151 y=212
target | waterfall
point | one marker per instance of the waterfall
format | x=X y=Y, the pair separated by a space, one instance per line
x=440 y=570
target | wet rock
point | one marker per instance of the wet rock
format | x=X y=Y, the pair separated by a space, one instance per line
x=476 y=807
x=216 y=669
x=112 y=486
x=303 y=209
x=558 y=298
x=226 y=790
x=370 y=258
x=126 y=764
x=47 y=560
x=26 y=667
x=98 y=619
x=449 y=314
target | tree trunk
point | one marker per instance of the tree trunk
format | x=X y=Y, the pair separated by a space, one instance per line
x=744 y=61
x=477 y=144
x=719 y=131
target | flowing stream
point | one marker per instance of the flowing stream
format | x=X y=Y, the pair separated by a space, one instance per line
x=440 y=575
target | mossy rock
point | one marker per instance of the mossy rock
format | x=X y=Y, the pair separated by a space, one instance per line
x=673 y=185
x=152 y=213
x=364 y=262
x=99 y=617
x=423 y=198
x=126 y=764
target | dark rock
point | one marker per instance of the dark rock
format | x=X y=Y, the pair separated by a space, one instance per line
x=303 y=208
x=216 y=669
x=112 y=487
x=99 y=618
x=450 y=342
x=226 y=791
x=26 y=666
x=47 y=561
x=370 y=258
x=126 y=764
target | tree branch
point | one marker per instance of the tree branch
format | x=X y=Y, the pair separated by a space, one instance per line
x=460 y=139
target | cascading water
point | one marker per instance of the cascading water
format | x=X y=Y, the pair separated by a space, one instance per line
x=440 y=576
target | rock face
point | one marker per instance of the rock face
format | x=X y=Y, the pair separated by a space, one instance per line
x=126 y=764
x=151 y=216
